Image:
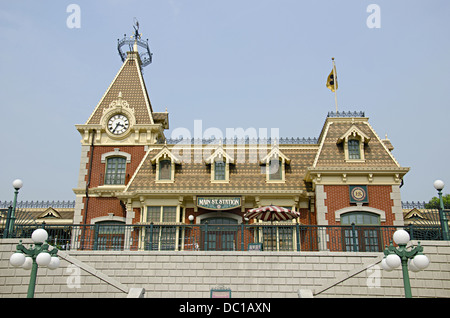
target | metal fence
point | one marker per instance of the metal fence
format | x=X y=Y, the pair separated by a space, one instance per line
x=204 y=237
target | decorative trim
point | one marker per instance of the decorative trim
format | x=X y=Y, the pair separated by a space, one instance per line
x=115 y=153
x=338 y=213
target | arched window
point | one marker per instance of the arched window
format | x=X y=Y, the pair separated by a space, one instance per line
x=110 y=235
x=360 y=218
x=364 y=233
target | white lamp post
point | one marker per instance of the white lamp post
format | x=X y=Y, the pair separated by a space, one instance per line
x=9 y=228
x=34 y=257
x=413 y=258
x=439 y=186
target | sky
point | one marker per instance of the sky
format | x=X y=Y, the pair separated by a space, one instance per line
x=230 y=64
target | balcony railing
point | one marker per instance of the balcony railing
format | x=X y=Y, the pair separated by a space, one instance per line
x=204 y=237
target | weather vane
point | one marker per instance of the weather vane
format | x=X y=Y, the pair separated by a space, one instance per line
x=134 y=42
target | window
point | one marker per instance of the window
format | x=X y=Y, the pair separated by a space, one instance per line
x=165 y=163
x=275 y=165
x=220 y=165
x=353 y=142
x=115 y=170
x=219 y=170
x=353 y=149
x=161 y=214
x=110 y=235
x=363 y=235
x=165 y=170
x=275 y=170
x=360 y=218
x=161 y=237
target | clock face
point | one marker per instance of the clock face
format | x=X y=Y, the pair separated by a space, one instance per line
x=118 y=124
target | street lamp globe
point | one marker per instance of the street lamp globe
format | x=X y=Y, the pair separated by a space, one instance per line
x=43 y=259
x=385 y=266
x=28 y=263
x=412 y=267
x=401 y=237
x=439 y=185
x=17 y=259
x=17 y=184
x=421 y=261
x=393 y=261
x=54 y=263
x=39 y=236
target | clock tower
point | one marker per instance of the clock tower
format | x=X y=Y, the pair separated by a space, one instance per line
x=115 y=139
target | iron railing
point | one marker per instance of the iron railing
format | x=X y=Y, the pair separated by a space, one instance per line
x=204 y=237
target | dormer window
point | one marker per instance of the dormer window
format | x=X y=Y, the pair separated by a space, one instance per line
x=219 y=170
x=165 y=165
x=353 y=141
x=275 y=163
x=275 y=169
x=353 y=149
x=220 y=165
x=165 y=170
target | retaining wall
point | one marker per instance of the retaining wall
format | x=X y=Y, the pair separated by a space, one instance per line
x=248 y=274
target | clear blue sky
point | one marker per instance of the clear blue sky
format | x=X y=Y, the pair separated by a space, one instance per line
x=234 y=63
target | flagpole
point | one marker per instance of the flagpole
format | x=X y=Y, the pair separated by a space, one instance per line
x=335 y=82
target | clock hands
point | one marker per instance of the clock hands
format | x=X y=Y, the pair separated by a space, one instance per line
x=117 y=125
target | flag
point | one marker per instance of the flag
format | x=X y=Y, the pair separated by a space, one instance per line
x=332 y=80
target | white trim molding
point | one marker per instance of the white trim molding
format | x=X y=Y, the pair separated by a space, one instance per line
x=338 y=213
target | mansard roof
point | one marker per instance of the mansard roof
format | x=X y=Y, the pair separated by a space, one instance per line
x=325 y=155
x=331 y=150
x=246 y=175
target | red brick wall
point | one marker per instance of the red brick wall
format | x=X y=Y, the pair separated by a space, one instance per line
x=102 y=206
x=99 y=168
x=338 y=197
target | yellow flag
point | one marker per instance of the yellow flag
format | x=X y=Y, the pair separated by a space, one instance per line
x=332 y=83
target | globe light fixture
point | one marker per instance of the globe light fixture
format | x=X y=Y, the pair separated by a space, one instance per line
x=401 y=237
x=17 y=259
x=39 y=236
x=421 y=261
x=439 y=186
x=393 y=261
x=9 y=226
x=411 y=258
x=28 y=263
x=32 y=258
x=54 y=263
x=17 y=184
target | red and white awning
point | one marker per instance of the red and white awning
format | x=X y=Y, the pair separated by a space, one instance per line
x=272 y=213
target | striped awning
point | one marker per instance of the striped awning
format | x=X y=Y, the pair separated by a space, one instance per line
x=272 y=213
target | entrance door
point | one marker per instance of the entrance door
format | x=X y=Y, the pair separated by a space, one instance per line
x=220 y=234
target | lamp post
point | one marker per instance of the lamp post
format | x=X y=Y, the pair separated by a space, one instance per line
x=9 y=228
x=412 y=259
x=439 y=185
x=33 y=257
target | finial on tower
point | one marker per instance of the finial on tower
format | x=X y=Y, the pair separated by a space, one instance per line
x=134 y=42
